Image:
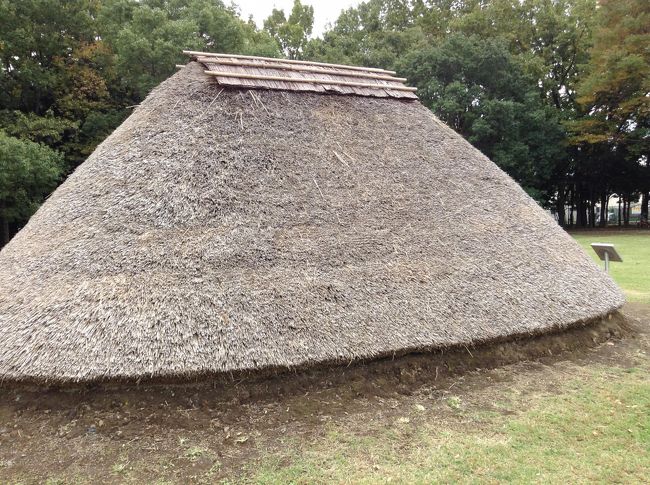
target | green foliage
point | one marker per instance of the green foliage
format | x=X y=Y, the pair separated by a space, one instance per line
x=291 y=34
x=480 y=89
x=36 y=37
x=376 y=33
x=615 y=100
x=147 y=37
x=28 y=172
x=55 y=71
x=615 y=92
x=148 y=47
x=47 y=129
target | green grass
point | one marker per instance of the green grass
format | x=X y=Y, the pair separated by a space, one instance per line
x=633 y=274
x=595 y=430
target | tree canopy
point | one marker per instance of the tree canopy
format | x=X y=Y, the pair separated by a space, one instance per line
x=28 y=172
x=291 y=34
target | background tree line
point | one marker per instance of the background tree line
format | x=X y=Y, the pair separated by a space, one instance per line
x=556 y=92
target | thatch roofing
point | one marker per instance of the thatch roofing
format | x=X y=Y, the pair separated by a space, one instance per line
x=223 y=230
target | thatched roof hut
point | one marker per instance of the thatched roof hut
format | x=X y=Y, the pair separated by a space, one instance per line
x=240 y=221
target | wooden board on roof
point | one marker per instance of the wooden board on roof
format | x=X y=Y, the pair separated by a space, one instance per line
x=289 y=75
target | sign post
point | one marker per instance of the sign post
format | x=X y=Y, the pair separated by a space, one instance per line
x=606 y=252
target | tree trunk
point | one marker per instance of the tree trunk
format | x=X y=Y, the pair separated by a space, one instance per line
x=644 y=206
x=5 y=230
x=582 y=220
x=559 y=207
x=603 y=210
x=4 y=225
x=619 y=211
x=571 y=220
x=626 y=211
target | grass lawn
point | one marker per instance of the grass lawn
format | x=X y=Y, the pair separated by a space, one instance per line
x=633 y=274
x=596 y=429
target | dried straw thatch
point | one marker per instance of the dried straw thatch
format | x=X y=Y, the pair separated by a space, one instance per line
x=224 y=230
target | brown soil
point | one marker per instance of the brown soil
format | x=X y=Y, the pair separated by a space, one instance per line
x=179 y=433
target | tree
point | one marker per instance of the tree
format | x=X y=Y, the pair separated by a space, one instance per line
x=148 y=37
x=615 y=95
x=482 y=91
x=52 y=71
x=28 y=172
x=552 y=38
x=293 y=33
x=376 y=33
x=148 y=46
x=36 y=38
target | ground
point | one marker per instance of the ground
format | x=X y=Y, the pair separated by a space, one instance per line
x=579 y=413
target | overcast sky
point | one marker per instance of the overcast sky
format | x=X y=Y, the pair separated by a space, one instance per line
x=325 y=11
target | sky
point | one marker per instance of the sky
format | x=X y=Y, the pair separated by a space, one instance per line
x=325 y=11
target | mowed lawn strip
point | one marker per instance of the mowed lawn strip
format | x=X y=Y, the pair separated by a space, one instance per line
x=597 y=429
x=633 y=274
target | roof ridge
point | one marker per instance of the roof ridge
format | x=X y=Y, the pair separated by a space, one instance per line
x=289 y=61
x=262 y=62
x=242 y=71
x=332 y=82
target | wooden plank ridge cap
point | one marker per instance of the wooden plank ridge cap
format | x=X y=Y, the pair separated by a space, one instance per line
x=289 y=61
x=310 y=81
x=290 y=67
